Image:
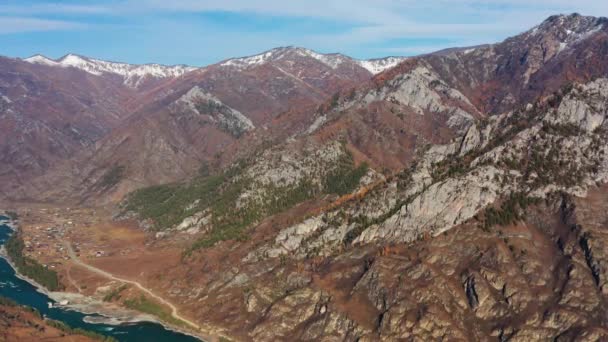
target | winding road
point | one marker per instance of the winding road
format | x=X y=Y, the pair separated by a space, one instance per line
x=174 y=312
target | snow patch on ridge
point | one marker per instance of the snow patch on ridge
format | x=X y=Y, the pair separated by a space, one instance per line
x=376 y=66
x=40 y=59
x=132 y=74
x=245 y=62
x=333 y=60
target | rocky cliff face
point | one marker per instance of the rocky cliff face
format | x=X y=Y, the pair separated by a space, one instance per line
x=496 y=235
x=553 y=146
x=433 y=98
x=537 y=62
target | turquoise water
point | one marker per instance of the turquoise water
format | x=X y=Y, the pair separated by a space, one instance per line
x=24 y=293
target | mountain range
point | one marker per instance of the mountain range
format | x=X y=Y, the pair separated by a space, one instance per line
x=56 y=109
x=457 y=195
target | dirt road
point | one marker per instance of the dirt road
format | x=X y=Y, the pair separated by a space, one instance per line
x=174 y=312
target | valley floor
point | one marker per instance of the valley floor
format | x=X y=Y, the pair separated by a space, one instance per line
x=105 y=260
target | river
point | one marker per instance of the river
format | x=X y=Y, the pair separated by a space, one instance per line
x=24 y=293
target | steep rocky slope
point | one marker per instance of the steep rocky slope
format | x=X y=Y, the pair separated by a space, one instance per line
x=498 y=234
x=432 y=98
x=192 y=120
x=557 y=145
x=47 y=115
x=388 y=121
x=563 y=48
x=52 y=110
x=222 y=206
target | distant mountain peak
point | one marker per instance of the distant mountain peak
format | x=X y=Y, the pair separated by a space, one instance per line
x=560 y=18
x=332 y=60
x=72 y=56
x=132 y=74
x=378 y=65
x=570 y=24
x=40 y=59
x=555 y=35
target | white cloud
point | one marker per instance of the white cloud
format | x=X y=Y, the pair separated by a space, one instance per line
x=18 y=24
x=380 y=20
x=53 y=8
x=376 y=11
x=369 y=19
x=344 y=10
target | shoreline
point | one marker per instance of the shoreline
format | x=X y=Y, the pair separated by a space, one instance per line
x=87 y=305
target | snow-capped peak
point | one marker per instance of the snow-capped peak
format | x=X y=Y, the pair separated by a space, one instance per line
x=376 y=66
x=249 y=61
x=40 y=59
x=132 y=74
x=333 y=60
x=90 y=66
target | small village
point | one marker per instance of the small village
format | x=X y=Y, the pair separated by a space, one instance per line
x=46 y=240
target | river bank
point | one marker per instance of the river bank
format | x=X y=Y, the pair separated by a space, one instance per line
x=106 y=318
x=87 y=305
x=79 y=302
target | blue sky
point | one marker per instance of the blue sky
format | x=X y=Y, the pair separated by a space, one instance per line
x=200 y=32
